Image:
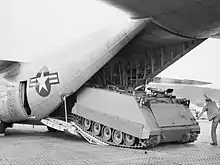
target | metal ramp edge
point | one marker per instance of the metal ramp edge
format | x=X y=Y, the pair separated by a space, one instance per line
x=72 y=128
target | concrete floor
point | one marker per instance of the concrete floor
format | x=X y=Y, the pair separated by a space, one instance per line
x=25 y=145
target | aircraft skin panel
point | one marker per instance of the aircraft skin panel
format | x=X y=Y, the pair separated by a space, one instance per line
x=49 y=83
x=190 y=18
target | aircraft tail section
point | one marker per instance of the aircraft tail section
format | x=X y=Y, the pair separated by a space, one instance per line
x=85 y=67
x=76 y=67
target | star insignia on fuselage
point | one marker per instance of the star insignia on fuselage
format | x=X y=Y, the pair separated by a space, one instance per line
x=43 y=81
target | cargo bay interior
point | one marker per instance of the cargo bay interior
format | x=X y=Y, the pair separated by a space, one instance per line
x=149 y=53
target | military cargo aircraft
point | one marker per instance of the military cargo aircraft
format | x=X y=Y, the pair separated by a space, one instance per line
x=158 y=34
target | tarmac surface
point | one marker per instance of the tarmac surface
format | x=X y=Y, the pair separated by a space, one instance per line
x=25 y=145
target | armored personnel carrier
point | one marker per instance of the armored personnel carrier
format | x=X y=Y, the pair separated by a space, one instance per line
x=134 y=119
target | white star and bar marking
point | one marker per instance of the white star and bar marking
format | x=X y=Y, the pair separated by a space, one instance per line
x=41 y=80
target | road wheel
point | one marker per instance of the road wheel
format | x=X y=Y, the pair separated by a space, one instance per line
x=106 y=133
x=87 y=124
x=96 y=128
x=79 y=120
x=117 y=137
x=129 y=139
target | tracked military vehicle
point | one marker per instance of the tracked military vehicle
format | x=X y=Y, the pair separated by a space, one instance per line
x=134 y=119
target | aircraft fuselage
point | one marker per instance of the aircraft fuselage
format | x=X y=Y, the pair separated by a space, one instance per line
x=40 y=86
